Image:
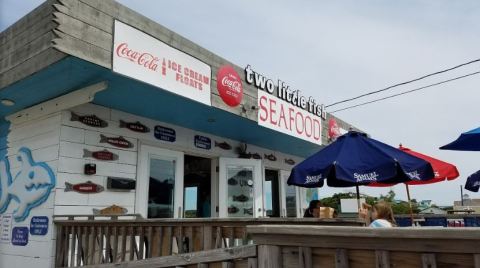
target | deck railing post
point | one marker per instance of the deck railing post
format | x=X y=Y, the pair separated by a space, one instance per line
x=269 y=256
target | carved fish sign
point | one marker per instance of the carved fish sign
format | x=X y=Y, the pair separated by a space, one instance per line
x=30 y=187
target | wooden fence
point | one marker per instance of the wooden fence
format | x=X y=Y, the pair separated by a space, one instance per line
x=84 y=241
x=342 y=247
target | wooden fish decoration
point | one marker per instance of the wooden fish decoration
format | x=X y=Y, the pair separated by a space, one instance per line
x=84 y=188
x=117 y=142
x=104 y=155
x=232 y=209
x=245 y=155
x=290 y=161
x=111 y=210
x=240 y=198
x=223 y=145
x=89 y=120
x=248 y=211
x=270 y=157
x=256 y=156
x=134 y=126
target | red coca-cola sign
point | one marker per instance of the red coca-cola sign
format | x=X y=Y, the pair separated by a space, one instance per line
x=229 y=86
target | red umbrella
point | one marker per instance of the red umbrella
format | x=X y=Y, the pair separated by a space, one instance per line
x=442 y=170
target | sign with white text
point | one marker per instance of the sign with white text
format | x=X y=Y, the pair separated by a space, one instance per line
x=284 y=117
x=145 y=58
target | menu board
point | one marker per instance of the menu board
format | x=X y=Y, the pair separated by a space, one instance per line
x=240 y=192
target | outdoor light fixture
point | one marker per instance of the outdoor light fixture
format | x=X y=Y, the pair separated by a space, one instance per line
x=7 y=102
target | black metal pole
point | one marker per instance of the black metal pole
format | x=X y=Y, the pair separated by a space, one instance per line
x=461 y=194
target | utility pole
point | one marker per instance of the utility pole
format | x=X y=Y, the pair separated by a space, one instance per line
x=461 y=194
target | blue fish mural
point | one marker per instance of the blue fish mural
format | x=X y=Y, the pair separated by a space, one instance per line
x=30 y=187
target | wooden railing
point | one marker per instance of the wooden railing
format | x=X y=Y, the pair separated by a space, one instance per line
x=342 y=247
x=89 y=240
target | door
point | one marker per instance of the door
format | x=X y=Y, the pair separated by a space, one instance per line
x=290 y=197
x=271 y=193
x=240 y=188
x=159 y=183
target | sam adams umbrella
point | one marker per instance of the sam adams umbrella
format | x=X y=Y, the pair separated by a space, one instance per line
x=468 y=141
x=473 y=182
x=354 y=159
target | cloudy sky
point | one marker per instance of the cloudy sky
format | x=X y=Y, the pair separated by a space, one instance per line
x=339 y=49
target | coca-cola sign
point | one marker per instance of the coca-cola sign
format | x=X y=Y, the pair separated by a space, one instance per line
x=145 y=58
x=229 y=86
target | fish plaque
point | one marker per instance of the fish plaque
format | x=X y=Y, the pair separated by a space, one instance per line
x=104 y=155
x=270 y=157
x=89 y=120
x=203 y=142
x=120 y=142
x=111 y=210
x=290 y=161
x=84 y=188
x=223 y=145
x=165 y=134
x=134 y=126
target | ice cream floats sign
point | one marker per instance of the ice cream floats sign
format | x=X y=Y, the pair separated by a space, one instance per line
x=286 y=110
x=142 y=57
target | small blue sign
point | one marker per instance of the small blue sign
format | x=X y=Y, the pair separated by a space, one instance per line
x=203 y=142
x=20 y=236
x=165 y=134
x=39 y=225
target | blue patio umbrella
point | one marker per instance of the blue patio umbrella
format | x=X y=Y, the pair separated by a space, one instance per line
x=468 y=141
x=473 y=182
x=354 y=160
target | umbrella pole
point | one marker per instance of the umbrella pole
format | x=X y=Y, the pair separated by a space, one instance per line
x=358 y=197
x=409 y=202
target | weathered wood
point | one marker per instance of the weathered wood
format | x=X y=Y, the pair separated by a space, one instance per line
x=215 y=255
x=133 y=243
x=269 y=256
x=59 y=246
x=108 y=246
x=149 y=242
x=123 y=250
x=252 y=263
x=92 y=242
x=87 y=14
x=305 y=257
x=341 y=258
x=82 y=49
x=72 y=246
x=382 y=259
x=141 y=245
x=476 y=260
x=207 y=237
x=167 y=242
x=202 y=265
x=80 y=251
x=218 y=238
x=429 y=261
x=228 y=264
x=100 y=240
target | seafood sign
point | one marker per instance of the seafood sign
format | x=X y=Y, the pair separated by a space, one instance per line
x=134 y=126
x=117 y=142
x=100 y=155
x=30 y=187
x=89 y=120
x=84 y=188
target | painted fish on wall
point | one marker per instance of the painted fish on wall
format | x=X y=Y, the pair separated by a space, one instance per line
x=117 y=142
x=89 y=120
x=84 y=188
x=100 y=155
x=134 y=126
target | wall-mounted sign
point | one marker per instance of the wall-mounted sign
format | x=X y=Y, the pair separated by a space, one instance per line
x=20 y=236
x=5 y=228
x=203 y=142
x=124 y=184
x=100 y=155
x=283 y=117
x=334 y=131
x=30 y=187
x=290 y=161
x=84 y=188
x=111 y=210
x=229 y=86
x=165 y=133
x=89 y=120
x=134 y=126
x=39 y=225
x=223 y=145
x=120 y=141
x=141 y=56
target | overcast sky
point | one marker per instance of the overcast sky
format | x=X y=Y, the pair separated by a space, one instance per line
x=339 y=49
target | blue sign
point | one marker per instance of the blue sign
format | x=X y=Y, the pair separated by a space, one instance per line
x=165 y=134
x=203 y=142
x=30 y=187
x=39 y=225
x=20 y=236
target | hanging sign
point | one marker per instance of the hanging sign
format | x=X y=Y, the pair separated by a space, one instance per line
x=120 y=141
x=39 y=225
x=20 y=236
x=229 y=86
x=203 y=142
x=165 y=134
x=89 y=120
x=134 y=126
x=104 y=155
x=84 y=188
x=143 y=57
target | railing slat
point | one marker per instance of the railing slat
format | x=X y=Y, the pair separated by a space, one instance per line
x=269 y=256
x=86 y=244
x=80 y=245
x=72 y=248
x=218 y=237
x=252 y=263
x=382 y=259
x=167 y=245
x=341 y=258
x=133 y=243
x=123 y=250
x=141 y=243
x=66 y=240
x=476 y=260
x=305 y=257
x=429 y=260
x=59 y=248
x=207 y=237
x=93 y=238
x=149 y=242
x=100 y=240
x=108 y=246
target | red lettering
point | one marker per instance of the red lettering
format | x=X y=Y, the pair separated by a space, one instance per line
x=307 y=118
x=272 y=111
x=263 y=108
x=290 y=116
x=282 y=116
x=297 y=121
x=316 y=129
x=144 y=59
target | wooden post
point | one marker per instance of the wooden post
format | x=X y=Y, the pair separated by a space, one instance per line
x=429 y=260
x=269 y=256
x=476 y=260
x=409 y=203
x=252 y=263
x=358 y=198
x=341 y=258
x=382 y=259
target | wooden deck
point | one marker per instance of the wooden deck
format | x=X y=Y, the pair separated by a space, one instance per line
x=85 y=240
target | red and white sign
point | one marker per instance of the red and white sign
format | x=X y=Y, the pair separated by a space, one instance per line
x=334 y=131
x=140 y=56
x=284 y=117
x=229 y=85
